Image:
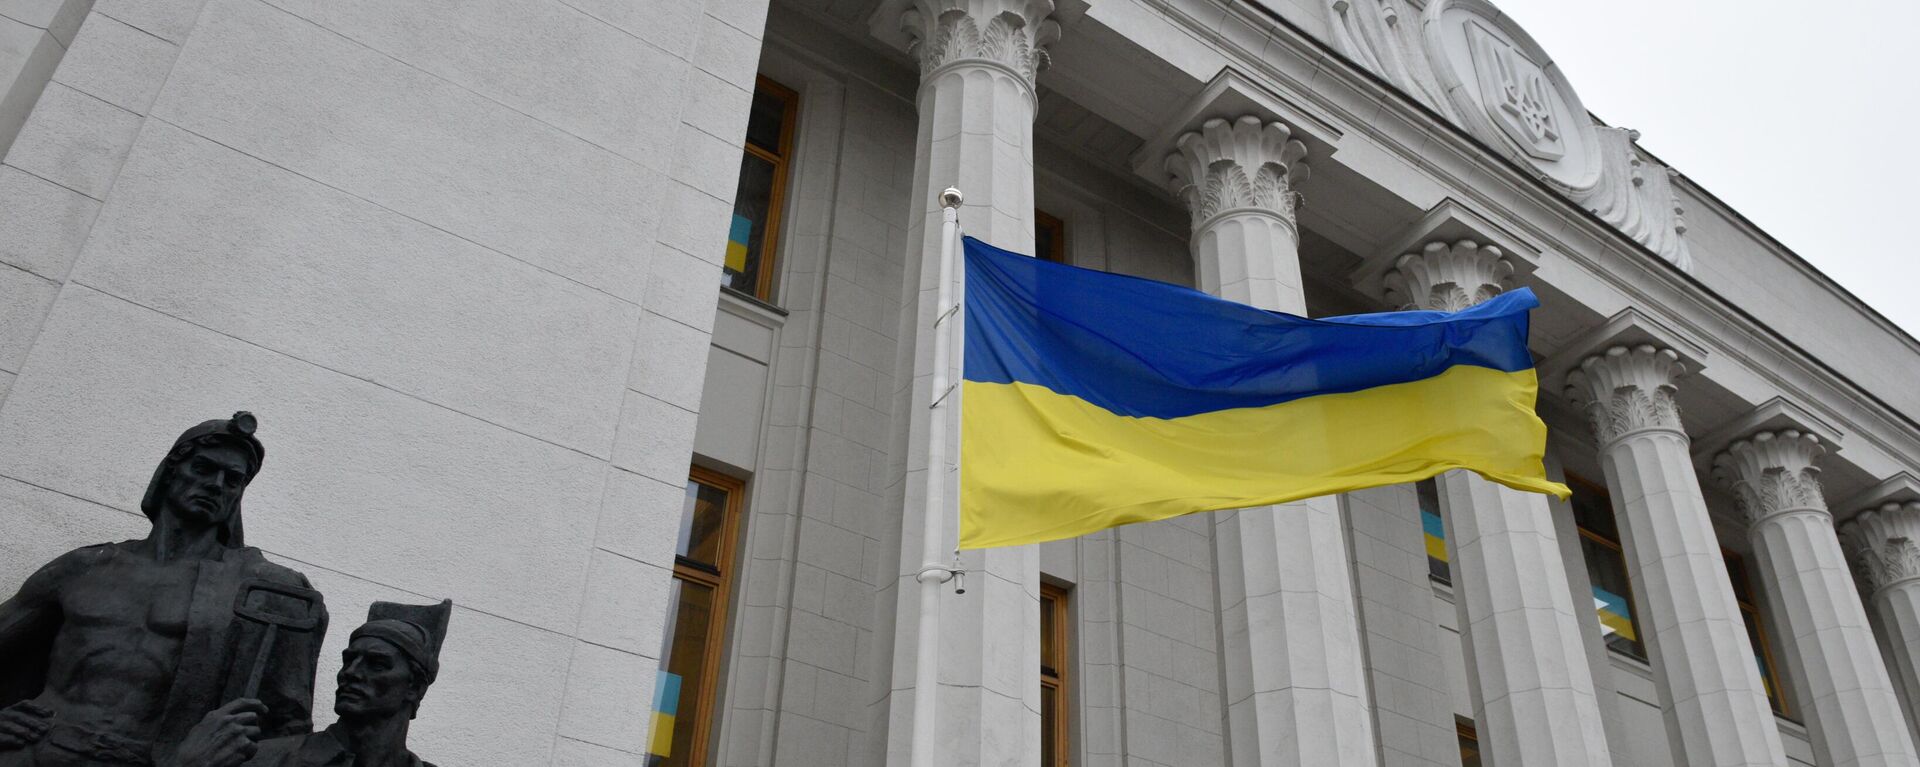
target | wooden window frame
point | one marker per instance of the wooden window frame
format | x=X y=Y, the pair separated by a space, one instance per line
x=1619 y=551
x=1045 y=220
x=1464 y=730
x=720 y=579
x=1057 y=678
x=777 y=201
x=1779 y=697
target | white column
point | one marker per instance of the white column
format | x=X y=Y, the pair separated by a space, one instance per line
x=1885 y=544
x=1837 y=674
x=1296 y=685
x=1533 y=698
x=977 y=103
x=1716 y=709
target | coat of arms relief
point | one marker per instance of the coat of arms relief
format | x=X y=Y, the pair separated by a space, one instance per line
x=1517 y=94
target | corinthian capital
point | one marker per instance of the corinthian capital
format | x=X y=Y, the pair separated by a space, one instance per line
x=1012 y=33
x=1884 y=545
x=1628 y=389
x=1448 y=278
x=1237 y=164
x=1772 y=472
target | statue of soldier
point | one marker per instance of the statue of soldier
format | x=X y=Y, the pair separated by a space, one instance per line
x=111 y=654
x=384 y=672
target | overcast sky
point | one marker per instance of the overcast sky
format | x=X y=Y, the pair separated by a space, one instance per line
x=1804 y=116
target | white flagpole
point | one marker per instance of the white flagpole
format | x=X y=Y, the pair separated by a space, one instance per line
x=932 y=574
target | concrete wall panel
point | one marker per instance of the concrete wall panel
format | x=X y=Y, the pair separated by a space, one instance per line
x=234 y=244
x=355 y=119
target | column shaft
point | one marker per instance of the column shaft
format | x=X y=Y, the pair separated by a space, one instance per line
x=1837 y=673
x=1533 y=699
x=1533 y=691
x=1715 y=707
x=1898 y=607
x=1296 y=681
x=977 y=105
x=1842 y=684
x=1885 y=546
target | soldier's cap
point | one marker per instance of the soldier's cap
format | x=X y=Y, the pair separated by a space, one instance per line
x=417 y=631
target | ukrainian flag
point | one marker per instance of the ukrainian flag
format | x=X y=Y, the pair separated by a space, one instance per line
x=1092 y=400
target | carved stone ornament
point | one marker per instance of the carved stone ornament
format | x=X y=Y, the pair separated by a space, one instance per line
x=1626 y=390
x=1772 y=472
x=1506 y=91
x=1448 y=278
x=1479 y=70
x=1516 y=94
x=1884 y=545
x=1238 y=164
x=1013 y=33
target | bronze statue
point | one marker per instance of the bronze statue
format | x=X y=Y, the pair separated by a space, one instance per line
x=384 y=672
x=111 y=654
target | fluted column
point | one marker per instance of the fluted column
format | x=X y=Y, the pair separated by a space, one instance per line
x=1533 y=697
x=1715 y=707
x=978 y=60
x=1296 y=685
x=1838 y=676
x=1885 y=547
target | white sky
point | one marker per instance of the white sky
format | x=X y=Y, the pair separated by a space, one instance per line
x=1804 y=116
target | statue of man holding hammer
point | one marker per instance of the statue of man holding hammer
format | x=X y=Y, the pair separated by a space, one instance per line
x=113 y=654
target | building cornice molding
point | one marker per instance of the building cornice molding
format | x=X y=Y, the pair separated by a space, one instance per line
x=1448 y=223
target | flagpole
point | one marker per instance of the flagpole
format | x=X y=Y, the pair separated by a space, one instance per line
x=933 y=574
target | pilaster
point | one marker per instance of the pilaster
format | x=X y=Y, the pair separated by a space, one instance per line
x=1533 y=692
x=1837 y=673
x=1296 y=684
x=1625 y=376
x=977 y=103
x=1883 y=542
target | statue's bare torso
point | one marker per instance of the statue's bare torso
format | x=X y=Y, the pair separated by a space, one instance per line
x=123 y=618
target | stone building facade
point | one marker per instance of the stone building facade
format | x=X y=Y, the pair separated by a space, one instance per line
x=610 y=320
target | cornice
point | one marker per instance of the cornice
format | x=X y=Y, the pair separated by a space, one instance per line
x=1799 y=263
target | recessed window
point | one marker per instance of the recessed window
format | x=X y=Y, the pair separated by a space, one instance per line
x=1606 y=568
x=1053 y=677
x=1756 y=631
x=753 y=232
x=1469 y=742
x=1049 y=237
x=1435 y=529
x=683 y=688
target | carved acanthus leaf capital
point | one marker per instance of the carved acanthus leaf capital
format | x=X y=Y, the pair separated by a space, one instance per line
x=1772 y=472
x=1628 y=389
x=1884 y=545
x=1014 y=33
x=1241 y=163
x=1448 y=278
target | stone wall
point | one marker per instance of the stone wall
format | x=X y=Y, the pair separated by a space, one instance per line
x=453 y=258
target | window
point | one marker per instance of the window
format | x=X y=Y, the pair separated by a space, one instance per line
x=1756 y=633
x=1438 y=567
x=1049 y=237
x=1469 y=742
x=1053 y=676
x=683 y=688
x=1606 y=567
x=753 y=234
